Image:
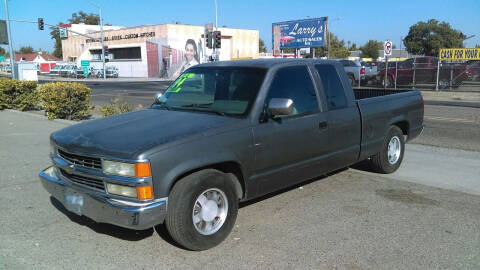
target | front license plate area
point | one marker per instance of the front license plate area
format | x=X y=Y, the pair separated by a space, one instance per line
x=73 y=202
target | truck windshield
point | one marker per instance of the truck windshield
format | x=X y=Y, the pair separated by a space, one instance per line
x=227 y=91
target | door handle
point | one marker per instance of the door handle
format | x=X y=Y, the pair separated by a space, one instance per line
x=322 y=125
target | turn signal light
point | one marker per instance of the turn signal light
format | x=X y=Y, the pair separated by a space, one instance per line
x=143 y=170
x=144 y=192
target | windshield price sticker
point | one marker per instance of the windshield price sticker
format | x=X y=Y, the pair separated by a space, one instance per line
x=176 y=86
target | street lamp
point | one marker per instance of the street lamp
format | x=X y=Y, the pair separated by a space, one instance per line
x=466 y=39
x=330 y=37
x=101 y=38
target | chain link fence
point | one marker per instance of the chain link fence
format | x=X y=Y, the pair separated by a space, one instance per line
x=426 y=73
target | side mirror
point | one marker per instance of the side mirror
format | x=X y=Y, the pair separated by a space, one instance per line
x=280 y=106
x=158 y=95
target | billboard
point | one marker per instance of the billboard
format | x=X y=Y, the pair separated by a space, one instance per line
x=306 y=33
x=460 y=54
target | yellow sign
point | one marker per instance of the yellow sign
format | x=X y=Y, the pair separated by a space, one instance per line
x=460 y=54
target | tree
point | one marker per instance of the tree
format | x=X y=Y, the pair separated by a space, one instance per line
x=261 y=46
x=426 y=38
x=81 y=17
x=2 y=51
x=25 y=49
x=354 y=47
x=370 y=49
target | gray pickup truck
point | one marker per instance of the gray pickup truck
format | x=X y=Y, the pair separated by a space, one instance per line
x=223 y=133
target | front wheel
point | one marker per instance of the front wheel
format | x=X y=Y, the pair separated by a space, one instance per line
x=202 y=209
x=390 y=156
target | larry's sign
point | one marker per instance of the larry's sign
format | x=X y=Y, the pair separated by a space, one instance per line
x=299 y=34
x=461 y=54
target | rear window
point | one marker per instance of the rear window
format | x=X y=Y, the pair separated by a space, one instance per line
x=332 y=86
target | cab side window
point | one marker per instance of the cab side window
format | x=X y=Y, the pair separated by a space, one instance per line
x=294 y=83
x=332 y=86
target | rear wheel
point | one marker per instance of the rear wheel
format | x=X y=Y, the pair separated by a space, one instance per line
x=351 y=78
x=390 y=156
x=389 y=82
x=202 y=209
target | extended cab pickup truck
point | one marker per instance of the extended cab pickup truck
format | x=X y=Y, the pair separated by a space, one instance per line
x=222 y=133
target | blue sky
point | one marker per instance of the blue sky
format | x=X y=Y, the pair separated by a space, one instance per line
x=356 y=21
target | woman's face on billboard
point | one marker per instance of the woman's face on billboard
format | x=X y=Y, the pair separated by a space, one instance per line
x=189 y=52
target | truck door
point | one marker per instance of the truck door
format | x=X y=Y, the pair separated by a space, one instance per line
x=290 y=148
x=343 y=119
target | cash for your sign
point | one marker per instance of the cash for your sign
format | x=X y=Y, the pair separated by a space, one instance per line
x=305 y=30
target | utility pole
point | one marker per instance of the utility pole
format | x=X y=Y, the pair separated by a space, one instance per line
x=12 y=55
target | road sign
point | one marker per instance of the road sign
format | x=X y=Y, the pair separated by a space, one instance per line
x=3 y=32
x=2 y=58
x=85 y=63
x=387 y=48
x=63 y=33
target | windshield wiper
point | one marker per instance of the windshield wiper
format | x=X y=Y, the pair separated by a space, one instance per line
x=162 y=105
x=197 y=105
x=204 y=106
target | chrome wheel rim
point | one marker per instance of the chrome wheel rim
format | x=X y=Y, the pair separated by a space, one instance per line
x=394 y=150
x=210 y=211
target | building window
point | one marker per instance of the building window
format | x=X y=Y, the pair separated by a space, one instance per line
x=132 y=53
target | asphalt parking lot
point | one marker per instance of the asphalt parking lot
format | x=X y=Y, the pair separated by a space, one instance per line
x=349 y=220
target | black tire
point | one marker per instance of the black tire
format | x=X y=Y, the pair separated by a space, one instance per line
x=380 y=161
x=181 y=201
x=389 y=82
x=351 y=78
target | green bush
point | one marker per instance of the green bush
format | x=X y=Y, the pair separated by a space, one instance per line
x=65 y=100
x=115 y=108
x=18 y=95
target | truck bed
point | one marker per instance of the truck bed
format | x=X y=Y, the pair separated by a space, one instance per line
x=362 y=93
x=381 y=108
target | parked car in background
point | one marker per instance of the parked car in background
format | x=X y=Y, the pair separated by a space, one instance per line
x=473 y=68
x=423 y=70
x=112 y=71
x=66 y=70
x=355 y=71
x=55 y=71
x=370 y=70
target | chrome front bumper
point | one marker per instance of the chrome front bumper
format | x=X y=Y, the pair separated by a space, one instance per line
x=102 y=209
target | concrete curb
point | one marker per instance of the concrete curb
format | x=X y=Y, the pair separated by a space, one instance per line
x=63 y=121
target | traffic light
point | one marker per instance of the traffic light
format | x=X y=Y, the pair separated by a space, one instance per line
x=40 y=23
x=217 y=39
x=105 y=49
x=208 y=36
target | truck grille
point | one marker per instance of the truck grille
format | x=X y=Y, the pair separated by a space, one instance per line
x=84 y=181
x=89 y=162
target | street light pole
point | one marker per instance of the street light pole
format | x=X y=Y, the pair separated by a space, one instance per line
x=103 y=46
x=12 y=55
x=101 y=38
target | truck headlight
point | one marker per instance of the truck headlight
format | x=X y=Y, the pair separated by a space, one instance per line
x=122 y=190
x=139 y=192
x=127 y=169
